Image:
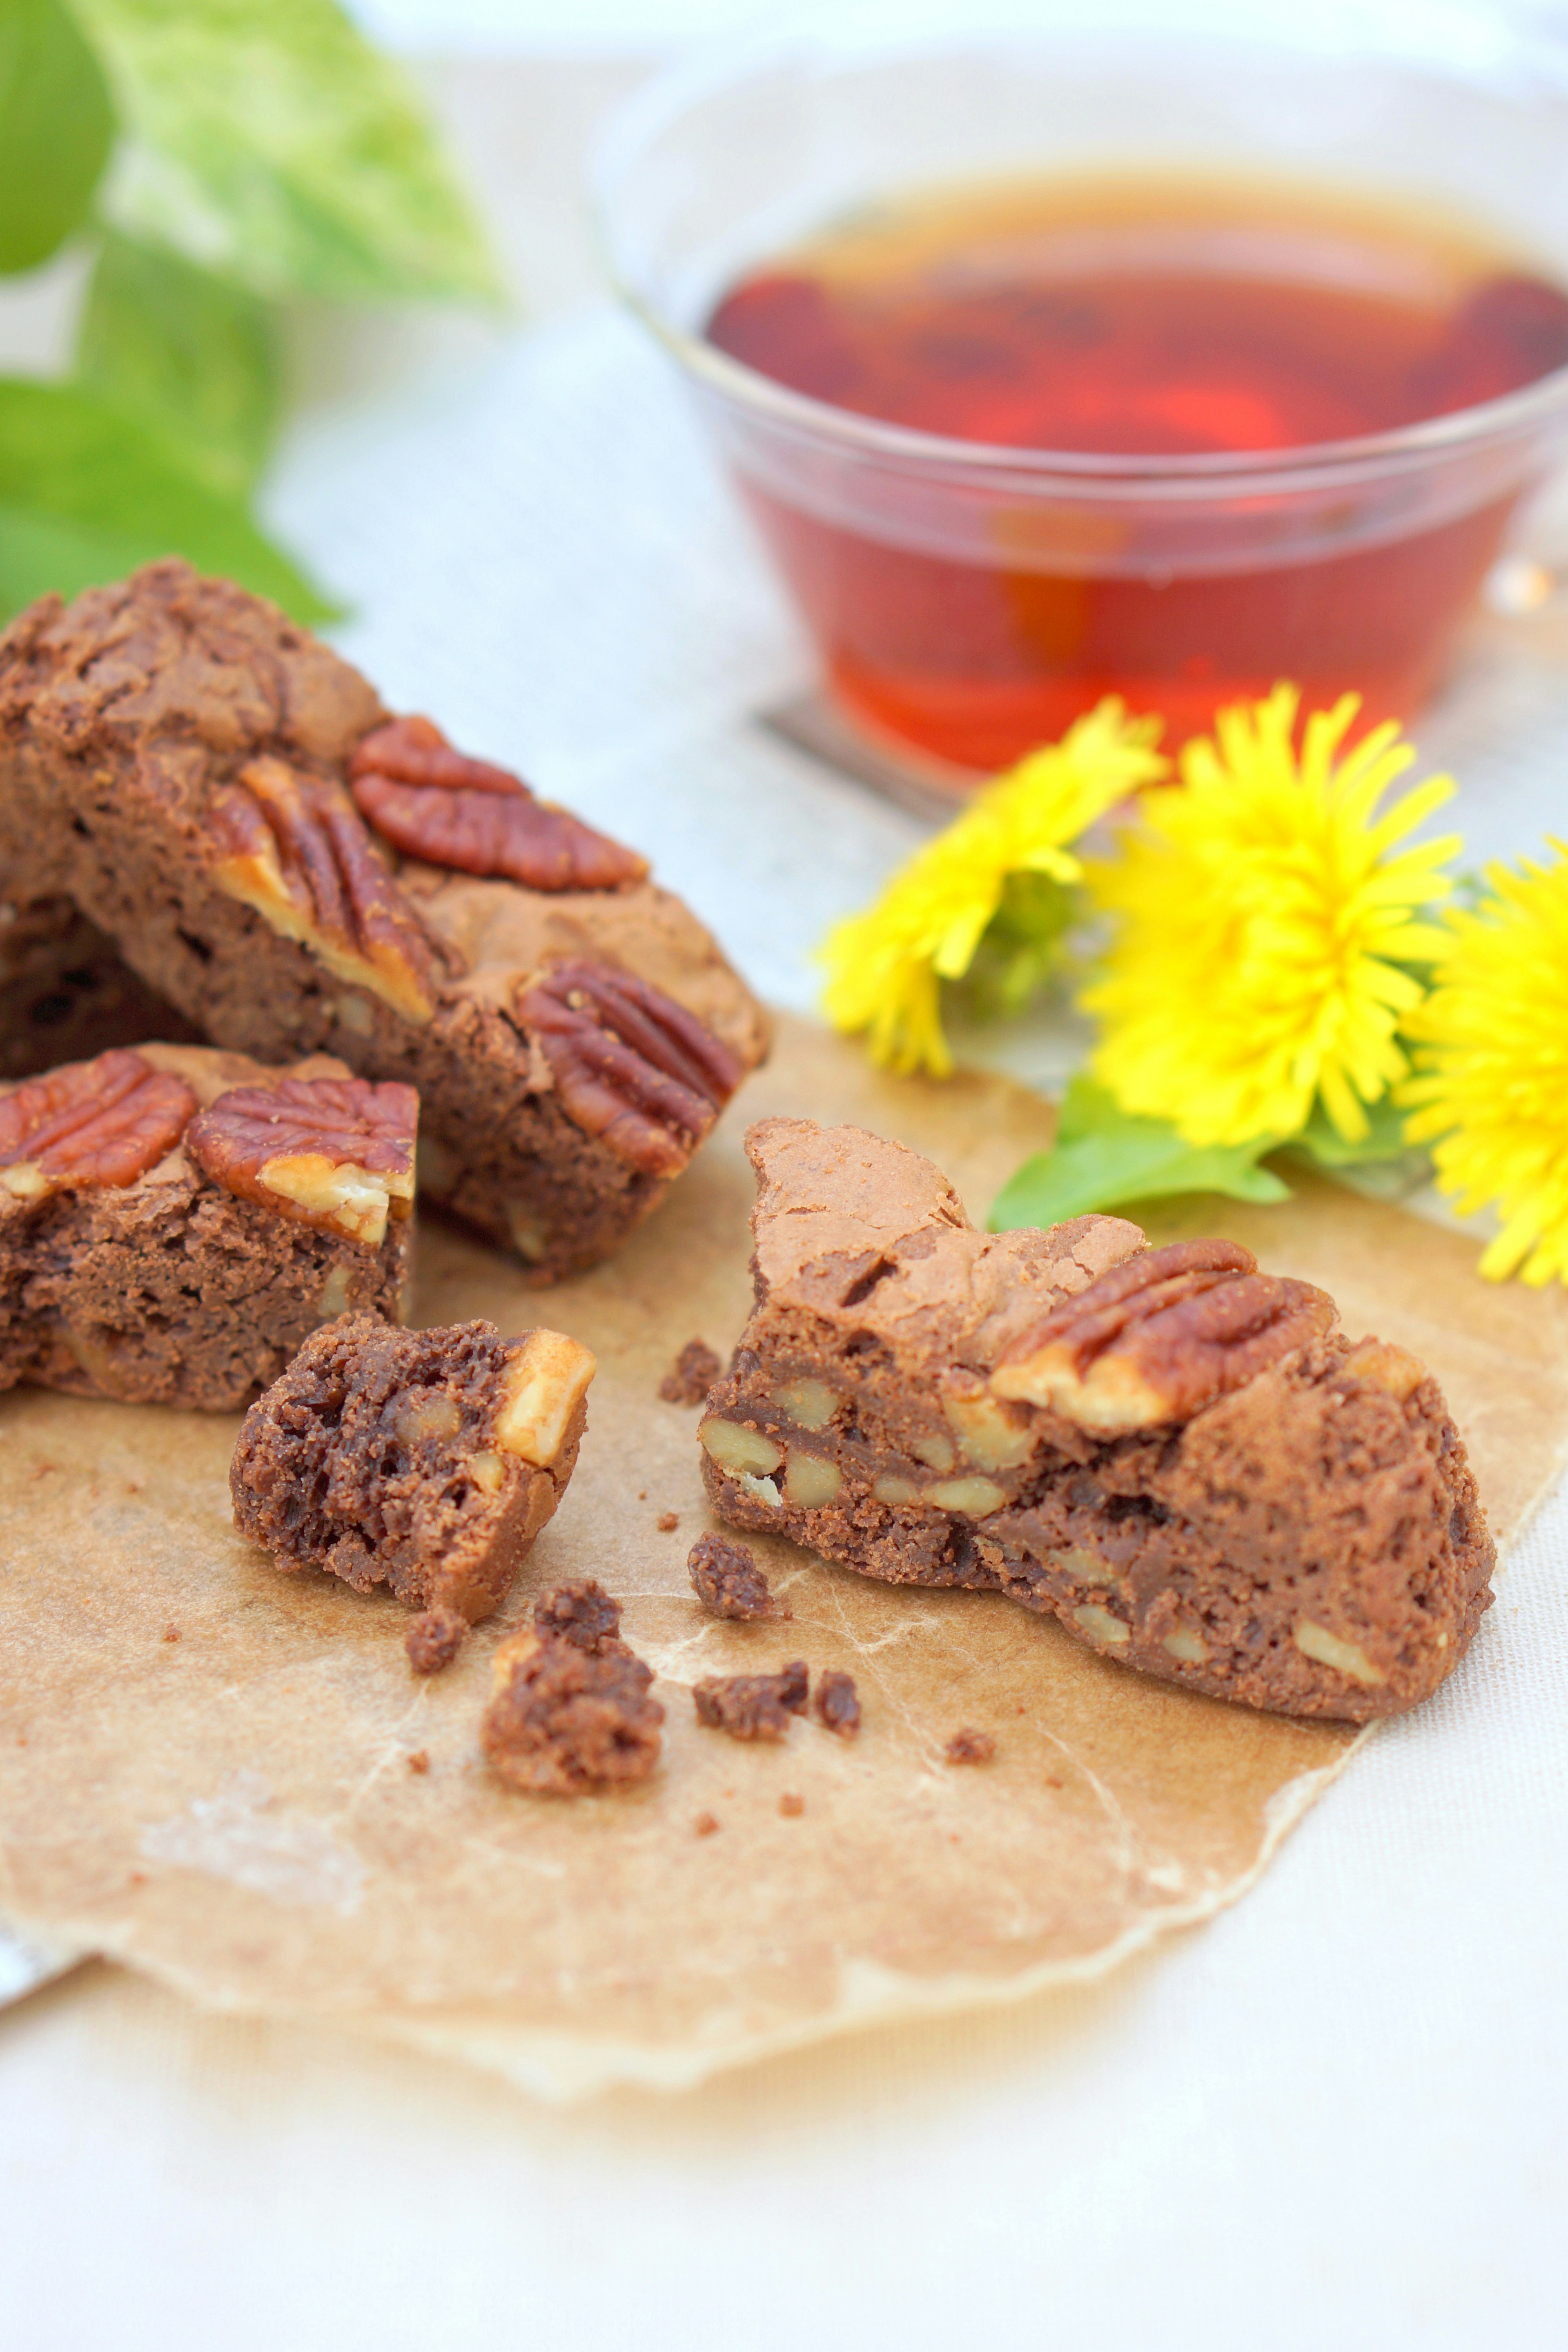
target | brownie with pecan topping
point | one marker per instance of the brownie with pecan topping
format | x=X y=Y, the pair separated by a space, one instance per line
x=1184 y=1460
x=427 y=1461
x=293 y=869
x=175 y=1220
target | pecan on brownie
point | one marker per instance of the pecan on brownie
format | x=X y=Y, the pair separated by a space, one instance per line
x=1180 y=1458
x=175 y=1221
x=269 y=852
x=425 y=1460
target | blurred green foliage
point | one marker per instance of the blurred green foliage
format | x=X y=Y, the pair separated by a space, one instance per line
x=216 y=157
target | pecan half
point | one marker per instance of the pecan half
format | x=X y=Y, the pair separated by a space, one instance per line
x=631 y=1067
x=333 y=1152
x=1161 y=1335
x=433 y=802
x=297 y=850
x=88 y=1123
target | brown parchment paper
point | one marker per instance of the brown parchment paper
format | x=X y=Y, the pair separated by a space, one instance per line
x=234 y=1810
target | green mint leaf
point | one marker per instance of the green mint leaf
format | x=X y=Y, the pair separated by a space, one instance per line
x=1105 y=1159
x=56 y=126
x=274 y=145
x=188 y=353
x=107 y=493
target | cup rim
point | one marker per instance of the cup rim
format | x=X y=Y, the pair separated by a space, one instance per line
x=659 y=105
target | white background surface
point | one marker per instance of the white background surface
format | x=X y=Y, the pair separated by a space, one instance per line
x=1336 y=2115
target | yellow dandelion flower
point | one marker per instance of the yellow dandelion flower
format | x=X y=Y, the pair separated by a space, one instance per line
x=1262 y=916
x=885 y=967
x=1491 y=1045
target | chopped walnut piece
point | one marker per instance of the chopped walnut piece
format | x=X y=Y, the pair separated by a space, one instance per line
x=631 y=1066
x=103 y=1122
x=753 y=1706
x=968 y=1746
x=296 y=849
x=691 y=1376
x=564 y=1721
x=434 y=1640
x=431 y=803
x=837 y=1705
x=545 y=1385
x=726 y=1580
x=1161 y=1335
x=337 y=1152
x=582 y=1613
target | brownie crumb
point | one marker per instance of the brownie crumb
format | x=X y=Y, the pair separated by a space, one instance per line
x=790 y=1804
x=582 y=1613
x=705 y=1824
x=667 y=1522
x=434 y=1640
x=171 y=1633
x=692 y=1375
x=837 y=1704
x=967 y=1747
x=727 y=1580
x=753 y=1706
x=419 y=1760
x=566 y=1719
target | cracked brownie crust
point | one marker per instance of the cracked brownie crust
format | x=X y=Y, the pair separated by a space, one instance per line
x=202 y=781
x=1184 y=1461
x=427 y=1461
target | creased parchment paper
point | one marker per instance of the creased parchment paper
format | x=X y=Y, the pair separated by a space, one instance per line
x=234 y=1810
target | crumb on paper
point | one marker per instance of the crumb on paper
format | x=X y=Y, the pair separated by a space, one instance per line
x=705 y=1824
x=727 y=1580
x=434 y=1640
x=753 y=1706
x=692 y=1375
x=836 y=1702
x=569 y=1711
x=667 y=1522
x=419 y=1759
x=581 y=1612
x=791 y=1803
x=970 y=1747
x=171 y=1633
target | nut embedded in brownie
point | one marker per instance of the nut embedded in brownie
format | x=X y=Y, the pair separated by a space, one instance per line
x=427 y=1461
x=569 y=1709
x=1180 y=1458
x=729 y=1583
x=231 y=807
x=164 y=1241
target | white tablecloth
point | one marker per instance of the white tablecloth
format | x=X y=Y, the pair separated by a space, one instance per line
x=1333 y=2115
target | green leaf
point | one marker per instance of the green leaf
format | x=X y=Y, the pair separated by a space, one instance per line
x=1384 y=1137
x=188 y=353
x=106 y=494
x=57 y=126
x=1019 y=948
x=1104 y=1158
x=272 y=143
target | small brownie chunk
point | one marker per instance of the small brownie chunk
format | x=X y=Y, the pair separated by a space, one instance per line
x=970 y=1747
x=837 y=1705
x=728 y=1581
x=434 y=1640
x=691 y=1376
x=751 y=1706
x=426 y=1460
x=569 y=1709
x=1178 y=1455
x=174 y=1221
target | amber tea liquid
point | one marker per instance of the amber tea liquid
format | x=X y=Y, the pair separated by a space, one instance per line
x=1153 y=317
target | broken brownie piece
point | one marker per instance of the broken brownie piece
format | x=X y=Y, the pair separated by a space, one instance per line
x=751 y=1706
x=727 y=1580
x=692 y=1374
x=230 y=805
x=175 y=1221
x=425 y=1460
x=434 y=1640
x=837 y=1705
x=1184 y=1460
x=970 y=1747
x=569 y=1709
x=66 y=994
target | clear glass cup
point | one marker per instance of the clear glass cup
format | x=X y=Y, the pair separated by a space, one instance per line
x=962 y=596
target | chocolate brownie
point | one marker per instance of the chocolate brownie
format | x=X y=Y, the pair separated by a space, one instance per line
x=1184 y=1460
x=230 y=803
x=569 y=1709
x=66 y=994
x=751 y=1706
x=175 y=1220
x=427 y=1461
x=835 y=1703
x=727 y=1580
